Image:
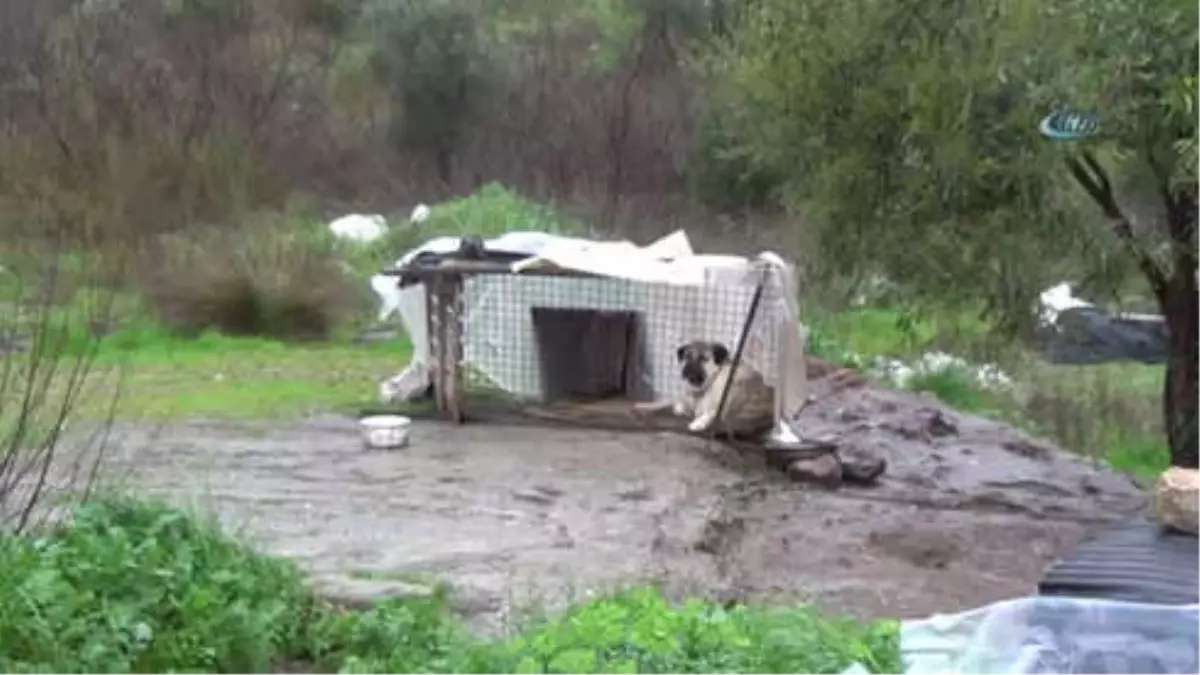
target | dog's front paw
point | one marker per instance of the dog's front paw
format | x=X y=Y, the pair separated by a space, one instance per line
x=699 y=424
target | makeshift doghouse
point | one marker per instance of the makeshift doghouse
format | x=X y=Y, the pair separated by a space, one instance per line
x=538 y=317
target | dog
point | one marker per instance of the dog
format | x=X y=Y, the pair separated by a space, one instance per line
x=706 y=369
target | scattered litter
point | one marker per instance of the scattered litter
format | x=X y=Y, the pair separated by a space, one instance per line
x=419 y=215
x=898 y=373
x=1056 y=300
x=359 y=228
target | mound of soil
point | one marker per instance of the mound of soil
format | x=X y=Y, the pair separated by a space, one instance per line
x=513 y=516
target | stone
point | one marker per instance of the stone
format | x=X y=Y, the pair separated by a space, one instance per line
x=824 y=470
x=363 y=593
x=1177 y=499
x=939 y=425
x=861 y=467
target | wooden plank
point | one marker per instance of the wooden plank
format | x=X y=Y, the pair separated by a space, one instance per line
x=475 y=268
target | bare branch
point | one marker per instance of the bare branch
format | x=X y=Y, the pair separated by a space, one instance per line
x=1092 y=177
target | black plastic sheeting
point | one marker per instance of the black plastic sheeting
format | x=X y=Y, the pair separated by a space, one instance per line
x=1085 y=336
x=1135 y=561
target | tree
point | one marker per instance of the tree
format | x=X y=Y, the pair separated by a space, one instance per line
x=1137 y=69
x=905 y=132
x=432 y=57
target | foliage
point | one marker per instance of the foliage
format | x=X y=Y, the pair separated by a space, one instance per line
x=433 y=58
x=639 y=632
x=128 y=586
x=907 y=131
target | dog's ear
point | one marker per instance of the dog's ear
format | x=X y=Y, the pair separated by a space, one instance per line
x=680 y=352
x=720 y=354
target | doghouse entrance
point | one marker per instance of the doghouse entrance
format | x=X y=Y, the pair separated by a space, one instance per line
x=585 y=355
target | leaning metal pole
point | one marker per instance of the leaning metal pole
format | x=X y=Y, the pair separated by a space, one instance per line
x=741 y=344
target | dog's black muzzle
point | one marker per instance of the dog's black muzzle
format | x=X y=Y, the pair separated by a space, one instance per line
x=694 y=374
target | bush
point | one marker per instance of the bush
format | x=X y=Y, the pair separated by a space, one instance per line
x=278 y=281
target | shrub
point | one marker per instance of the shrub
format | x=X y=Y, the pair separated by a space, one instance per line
x=275 y=281
x=51 y=304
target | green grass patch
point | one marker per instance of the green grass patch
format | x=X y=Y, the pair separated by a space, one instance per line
x=1144 y=459
x=898 y=333
x=167 y=377
x=128 y=586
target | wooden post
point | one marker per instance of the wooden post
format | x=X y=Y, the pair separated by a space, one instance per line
x=452 y=303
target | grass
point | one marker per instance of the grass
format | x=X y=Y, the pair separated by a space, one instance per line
x=168 y=377
x=129 y=586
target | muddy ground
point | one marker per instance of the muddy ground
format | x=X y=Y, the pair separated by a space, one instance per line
x=514 y=517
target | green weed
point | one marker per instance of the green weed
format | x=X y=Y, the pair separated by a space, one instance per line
x=134 y=587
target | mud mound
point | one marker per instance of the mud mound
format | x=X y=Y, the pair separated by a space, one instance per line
x=943 y=458
x=969 y=511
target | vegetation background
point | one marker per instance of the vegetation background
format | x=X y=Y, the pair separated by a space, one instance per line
x=167 y=167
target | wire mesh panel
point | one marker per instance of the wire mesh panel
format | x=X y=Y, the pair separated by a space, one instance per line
x=541 y=338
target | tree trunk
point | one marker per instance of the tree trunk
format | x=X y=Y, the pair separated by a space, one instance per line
x=1176 y=293
x=1180 y=396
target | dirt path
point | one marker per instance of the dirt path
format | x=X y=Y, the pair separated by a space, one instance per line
x=513 y=515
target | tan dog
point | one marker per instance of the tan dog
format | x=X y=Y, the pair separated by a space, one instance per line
x=705 y=367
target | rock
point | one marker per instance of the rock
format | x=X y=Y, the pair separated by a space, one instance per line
x=861 y=467
x=1026 y=447
x=824 y=470
x=939 y=425
x=534 y=496
x=1177 y=499
x=360 y=594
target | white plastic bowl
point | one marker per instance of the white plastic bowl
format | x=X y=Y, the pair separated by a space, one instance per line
x=385 y=432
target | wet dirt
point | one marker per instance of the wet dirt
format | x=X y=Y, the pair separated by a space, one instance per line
x=518 y=516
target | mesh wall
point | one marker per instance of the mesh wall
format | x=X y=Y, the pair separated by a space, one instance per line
x=545 y=338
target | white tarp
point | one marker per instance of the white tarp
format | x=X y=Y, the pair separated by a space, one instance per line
x=1050 y=634
x=680 y=296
